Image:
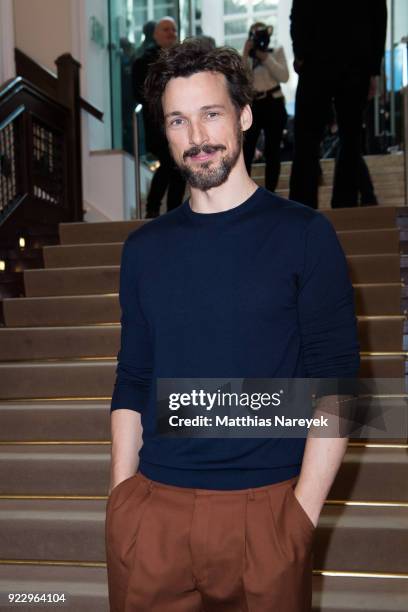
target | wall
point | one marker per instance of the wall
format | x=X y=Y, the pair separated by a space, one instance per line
x=7 y=65
x=43 y=29
x=95 y=59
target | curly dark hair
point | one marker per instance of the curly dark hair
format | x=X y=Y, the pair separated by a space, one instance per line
x=190 y=57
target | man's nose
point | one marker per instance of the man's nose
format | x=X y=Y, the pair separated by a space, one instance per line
x=197 y=134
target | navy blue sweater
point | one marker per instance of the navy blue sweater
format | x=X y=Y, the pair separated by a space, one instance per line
x=260 y=290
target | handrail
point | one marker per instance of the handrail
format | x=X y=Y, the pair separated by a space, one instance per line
x=91 y=109
x=47 y=81
x=12 y=86
x=40 y=146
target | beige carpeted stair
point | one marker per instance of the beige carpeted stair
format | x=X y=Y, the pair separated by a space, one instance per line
x=57 y=363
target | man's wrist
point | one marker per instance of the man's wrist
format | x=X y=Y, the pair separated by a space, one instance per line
x=312 y=505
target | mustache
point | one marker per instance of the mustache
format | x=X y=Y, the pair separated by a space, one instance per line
x=203 y=149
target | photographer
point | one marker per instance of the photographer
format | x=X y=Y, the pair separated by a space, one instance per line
x=269 y=69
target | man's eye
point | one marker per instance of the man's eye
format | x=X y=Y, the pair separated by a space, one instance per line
x=176 y=122
x=212 y=114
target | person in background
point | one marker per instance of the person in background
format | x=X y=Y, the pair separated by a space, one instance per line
x=338 y=49
x=126 y=61
x=269 y=69
x=148 y=40
x=167 y=175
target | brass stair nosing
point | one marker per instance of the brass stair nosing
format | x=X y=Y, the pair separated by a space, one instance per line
x=114 y=357
x=108 y=442
x=378 y=445
x=355 y=574
x=55 y=442
x=58 y=398
x=108 y=398
x=384 y=353
x=328 y=502
x=316 y=572
x=52 y=562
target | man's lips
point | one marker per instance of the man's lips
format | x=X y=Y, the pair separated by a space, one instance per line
x=203 y=156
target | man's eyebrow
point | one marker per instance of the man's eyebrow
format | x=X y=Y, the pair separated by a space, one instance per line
x=177 y=113
x=208 y=106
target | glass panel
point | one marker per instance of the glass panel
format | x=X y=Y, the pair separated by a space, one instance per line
x=167 y=9
x=234 y=6
x=237 y=42
x=238 y=26
x=265 y=5
x=127 y=41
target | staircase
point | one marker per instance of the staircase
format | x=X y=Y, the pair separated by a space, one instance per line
x=387 y=173
x=57 y=366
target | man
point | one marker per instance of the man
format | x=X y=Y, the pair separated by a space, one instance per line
x=338 y=50
x=236 y=282
x=148 y=38
x=269 y=69
x=167 y=175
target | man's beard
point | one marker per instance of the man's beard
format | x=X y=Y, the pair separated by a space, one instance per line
x=205 y=177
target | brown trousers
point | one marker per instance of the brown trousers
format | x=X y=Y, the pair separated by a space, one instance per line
x=177 y=549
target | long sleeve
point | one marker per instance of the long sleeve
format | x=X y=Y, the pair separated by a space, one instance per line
x=134 y=367
x=277 y=66
x=326 y=306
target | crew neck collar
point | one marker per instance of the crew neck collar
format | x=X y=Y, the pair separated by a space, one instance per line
x=200 y=217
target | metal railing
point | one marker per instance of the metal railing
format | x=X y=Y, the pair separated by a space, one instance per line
x=138 y=197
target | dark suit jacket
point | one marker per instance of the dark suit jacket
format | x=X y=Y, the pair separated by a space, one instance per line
x=140 y=69
x=340 y=34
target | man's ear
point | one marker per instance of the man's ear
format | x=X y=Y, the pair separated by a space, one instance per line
x=246 y=118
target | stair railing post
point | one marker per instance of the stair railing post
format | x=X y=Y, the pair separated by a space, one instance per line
x=69 y=94
x=138 y=197
x=405 y=135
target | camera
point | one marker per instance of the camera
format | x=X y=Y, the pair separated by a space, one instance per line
x=261 y=38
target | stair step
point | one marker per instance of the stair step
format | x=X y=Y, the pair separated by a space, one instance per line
x=388 y=366
x=376 y=334
x=84 y=470
x=70 y=310
x=380 y=176
x=370 y=217
x=98 y=309
x=71 y=281
x=69 y=378
x=354 y=242
x=363 y=468
x=383 y=268
x=354 y=594
x=99 y=254
x=371 y=268
x=368 y=241
x=26 y=343
x=374 y=163
x=378 y=299
x=384 y=191
x=361 y=538
x=352 y=538
x=106 y=231
x=85 y=588
x=55 y=420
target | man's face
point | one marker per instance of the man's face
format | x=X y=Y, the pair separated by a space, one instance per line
x=165 y=33
x=202 y=127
